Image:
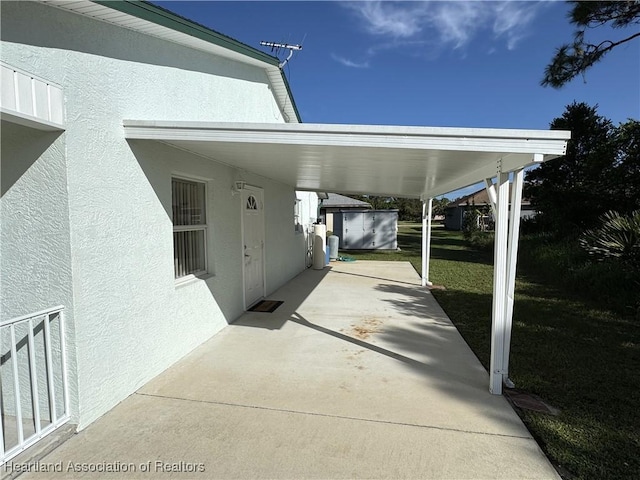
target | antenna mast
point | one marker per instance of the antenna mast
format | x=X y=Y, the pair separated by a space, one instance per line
x=278 y=46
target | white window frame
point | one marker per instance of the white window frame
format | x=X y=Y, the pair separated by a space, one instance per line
x=193 y=228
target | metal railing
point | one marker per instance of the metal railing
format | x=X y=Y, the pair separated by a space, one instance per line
x=34 y=394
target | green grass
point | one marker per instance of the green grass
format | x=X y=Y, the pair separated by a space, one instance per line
x=576 y=354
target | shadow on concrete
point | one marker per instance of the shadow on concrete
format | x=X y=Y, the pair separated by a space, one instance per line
x=300 y=320
x=375 y=278
x=306 y=282
x=431 y=345
x=413 y=301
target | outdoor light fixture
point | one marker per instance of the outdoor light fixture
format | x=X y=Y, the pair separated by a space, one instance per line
x=237 y=187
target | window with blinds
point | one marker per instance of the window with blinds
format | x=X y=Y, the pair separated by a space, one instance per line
x=189 y=227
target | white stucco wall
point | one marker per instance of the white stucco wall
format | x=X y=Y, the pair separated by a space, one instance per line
x=308 y=206
x=131 y=320
x=35 y=252
x=308 y=216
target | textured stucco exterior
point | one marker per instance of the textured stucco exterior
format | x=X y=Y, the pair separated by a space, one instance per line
x=35 y=260
x=98 y=234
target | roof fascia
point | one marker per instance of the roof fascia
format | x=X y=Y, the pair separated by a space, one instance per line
x=160 y=16
x=290 y=94
x=351 y=136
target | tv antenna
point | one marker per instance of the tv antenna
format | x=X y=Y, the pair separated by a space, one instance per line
x=278 y=46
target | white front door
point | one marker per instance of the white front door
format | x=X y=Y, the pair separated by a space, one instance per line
x=253 y=244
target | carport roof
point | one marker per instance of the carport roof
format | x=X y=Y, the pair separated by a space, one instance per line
x=419 y=162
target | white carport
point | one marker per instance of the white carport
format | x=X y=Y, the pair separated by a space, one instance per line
x=415 y=162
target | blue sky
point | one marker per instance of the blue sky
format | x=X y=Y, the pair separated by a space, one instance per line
x=465 y=64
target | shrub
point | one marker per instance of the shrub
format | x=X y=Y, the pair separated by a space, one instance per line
x=617 y=237
x=476 y=220
x=470 y=223
x=481 y=240
x=563 y=262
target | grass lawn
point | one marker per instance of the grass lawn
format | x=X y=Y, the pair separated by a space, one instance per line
x=575 y=354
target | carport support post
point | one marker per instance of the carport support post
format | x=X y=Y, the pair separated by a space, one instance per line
x=427 y=211
x=499 y=284
x=491 y=192
x=512 y=260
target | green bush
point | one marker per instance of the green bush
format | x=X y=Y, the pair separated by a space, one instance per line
x=470 y=223
x=617 y=237
x=481 y=240
x=613 y=281
x=608 y=283
x=474 y=221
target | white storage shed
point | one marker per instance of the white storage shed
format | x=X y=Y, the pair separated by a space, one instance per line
x=366 y=229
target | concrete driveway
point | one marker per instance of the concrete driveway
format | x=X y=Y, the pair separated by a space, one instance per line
x=359 y=374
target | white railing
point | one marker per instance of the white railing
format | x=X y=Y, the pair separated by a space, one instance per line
x=34 y=395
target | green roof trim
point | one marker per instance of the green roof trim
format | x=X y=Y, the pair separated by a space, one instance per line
x=293 y=100
x=161 y=16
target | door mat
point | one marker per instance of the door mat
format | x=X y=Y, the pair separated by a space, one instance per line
x=266 y=306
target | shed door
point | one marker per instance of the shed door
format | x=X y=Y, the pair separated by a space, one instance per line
x=253 y=244
x=369 y=230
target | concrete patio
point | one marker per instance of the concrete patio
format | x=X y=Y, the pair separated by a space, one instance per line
x=359 y=374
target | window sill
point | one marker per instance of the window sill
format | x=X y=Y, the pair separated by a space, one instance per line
x=189 y=279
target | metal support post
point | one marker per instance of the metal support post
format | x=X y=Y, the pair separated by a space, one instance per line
x=512 y=260
x=499 y=284
x=493 y=198
x=427 y=213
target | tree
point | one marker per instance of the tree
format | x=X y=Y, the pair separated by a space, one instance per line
x=571 y=192
x=409 y=209
x=575 y=59
x=440 y=205
x=377 y=202
x=627 y=166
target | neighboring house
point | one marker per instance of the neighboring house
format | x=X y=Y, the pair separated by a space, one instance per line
x=146 y=250
x=336 y=203
x=454 y=211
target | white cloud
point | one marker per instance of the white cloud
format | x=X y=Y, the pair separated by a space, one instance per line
x=349 y=63
x=456 y=22
x=511 y=20
x=452 y=24
x=386 y=18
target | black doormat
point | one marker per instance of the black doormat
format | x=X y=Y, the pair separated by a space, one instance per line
x=266 y=306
